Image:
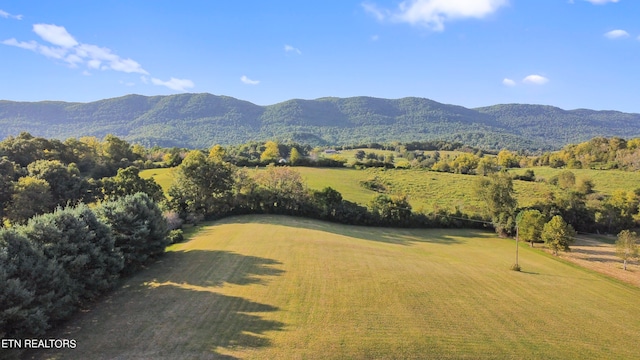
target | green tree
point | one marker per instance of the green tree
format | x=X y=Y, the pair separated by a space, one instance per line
x=617 y=211
x=271 y=152
x=465 y=163
x=566 y=180
x=627 y=246
x=139 y=229
x=558 y=235
x=8 y=175
x=201 y=187
x=117 y=150
x=31 y=196
x=66 y=185
x=391 y=210
x=129 y=182
x=33 y=288
x=507 y=159
x=283 y=188
x=486 y=165
x=496 y=191
x=327 y=200
x=530 y=225
x=82 y=245
x=23 y=149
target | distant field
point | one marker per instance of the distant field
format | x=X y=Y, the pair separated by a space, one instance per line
x=163 y=176
x=430 y=190
x=269 y=287
x=606 y=181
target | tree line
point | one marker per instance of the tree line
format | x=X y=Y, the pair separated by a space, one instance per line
x=57 y=253
x=59 y=262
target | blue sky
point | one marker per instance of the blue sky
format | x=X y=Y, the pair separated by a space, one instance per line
x=570 y=54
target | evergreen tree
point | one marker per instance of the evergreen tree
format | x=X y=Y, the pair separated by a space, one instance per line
x=139 y=229
x=7 y=178
x=82 y=245
x=33 y=289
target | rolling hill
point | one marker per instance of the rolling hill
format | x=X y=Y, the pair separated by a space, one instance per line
x=200 y=120
x=276 y=287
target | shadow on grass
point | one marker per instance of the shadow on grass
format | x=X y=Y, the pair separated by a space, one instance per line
x=399 y=236
x=529 y=272
x=593 y=253
x=174 y=310
x=215 y=268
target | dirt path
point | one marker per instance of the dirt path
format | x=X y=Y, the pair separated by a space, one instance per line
x=601 y=257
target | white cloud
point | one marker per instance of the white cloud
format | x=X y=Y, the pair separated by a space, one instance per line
x=248 y=81
x=94 y=64
x=601 y=2
x=508 y=82
x=97 y=55
x=6 y=15
x=434 y=13
x=31 y=45
x=375 y=11
x=174 y=84
x=616 y=34
x=52 y=52
x=68 y=50
x=57 y=35
x=48 y=51
x=375 y=38
x=535 y=80
x=289 y=48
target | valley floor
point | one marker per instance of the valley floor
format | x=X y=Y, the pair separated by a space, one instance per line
x=277 y=287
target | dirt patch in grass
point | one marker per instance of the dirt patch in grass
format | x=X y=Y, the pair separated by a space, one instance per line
x=600 y=256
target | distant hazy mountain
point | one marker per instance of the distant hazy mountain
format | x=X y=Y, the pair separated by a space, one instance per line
x=201 y=120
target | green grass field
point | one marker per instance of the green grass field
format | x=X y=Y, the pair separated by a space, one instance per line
x=270 y=287
x=429 y=190
x=163 y=176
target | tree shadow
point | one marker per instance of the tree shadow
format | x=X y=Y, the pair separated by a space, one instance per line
x=174 y=310
x=593 y=254
x=398 y=236
x=220 y=267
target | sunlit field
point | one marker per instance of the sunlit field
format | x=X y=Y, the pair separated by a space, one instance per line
x=275 y=287
x=429 y=190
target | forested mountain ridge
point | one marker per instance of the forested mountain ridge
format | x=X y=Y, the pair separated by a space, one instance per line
x=200 y=120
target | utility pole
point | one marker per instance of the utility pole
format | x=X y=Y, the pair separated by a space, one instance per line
x=517 y=266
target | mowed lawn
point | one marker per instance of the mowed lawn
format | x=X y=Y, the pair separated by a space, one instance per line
x=275 y=287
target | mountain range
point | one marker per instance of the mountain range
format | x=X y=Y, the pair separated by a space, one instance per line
x=201 y=120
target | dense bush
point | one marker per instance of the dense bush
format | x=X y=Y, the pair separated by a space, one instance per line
x=139 y=229
x=82 y=245
x=59 y=261
x=33 y=288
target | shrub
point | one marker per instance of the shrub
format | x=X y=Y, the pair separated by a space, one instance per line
x=139 y=229
x=175 y=236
